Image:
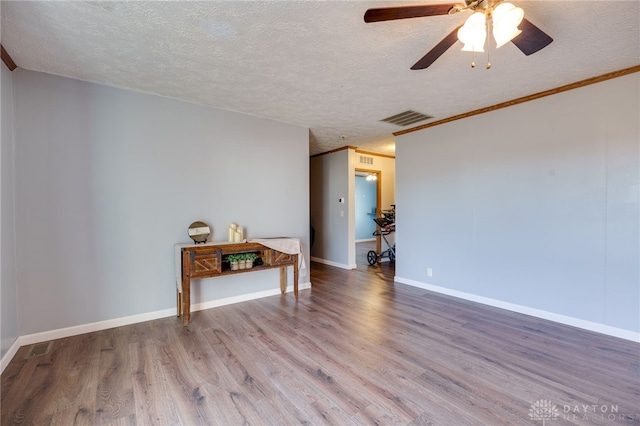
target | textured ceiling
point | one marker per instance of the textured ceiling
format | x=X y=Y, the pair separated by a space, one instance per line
x=313 y=63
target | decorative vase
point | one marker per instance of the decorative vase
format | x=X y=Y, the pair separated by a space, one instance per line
x=235 y=266
x=242 y=264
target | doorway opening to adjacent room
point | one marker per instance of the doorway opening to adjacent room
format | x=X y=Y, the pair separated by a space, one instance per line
x=368 y=197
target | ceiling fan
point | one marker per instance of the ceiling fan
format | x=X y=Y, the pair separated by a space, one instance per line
x=528 y=38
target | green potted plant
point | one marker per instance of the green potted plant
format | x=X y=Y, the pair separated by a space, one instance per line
x=249 y=258
x=241 y=260
x=234 y=261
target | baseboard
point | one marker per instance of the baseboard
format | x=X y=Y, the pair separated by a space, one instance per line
x=538 y=313
x=45 y=336
x=10 y=354
x=330 y=263
x=365 y=240
x=244 y=298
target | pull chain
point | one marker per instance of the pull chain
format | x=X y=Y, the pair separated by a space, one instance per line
x=489 y=32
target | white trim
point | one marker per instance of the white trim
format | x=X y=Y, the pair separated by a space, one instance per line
x=366 y=240
x=60 y=333
x=538 y=313
x=244 y=298
x=10 y=354
x=330 y=263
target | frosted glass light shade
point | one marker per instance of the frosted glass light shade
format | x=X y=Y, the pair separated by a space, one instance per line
x=503 y=37
x=473 y=33
x=506 y=18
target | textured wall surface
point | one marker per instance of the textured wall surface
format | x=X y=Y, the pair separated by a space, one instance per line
x=108 y=180
x=8 y=290
x=329 y=180
x=535 y=205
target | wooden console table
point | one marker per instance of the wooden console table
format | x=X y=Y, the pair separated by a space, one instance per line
x=208 y=260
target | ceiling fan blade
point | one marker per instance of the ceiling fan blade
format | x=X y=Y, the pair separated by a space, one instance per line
x=531 y=39
x=437 y=50
x=403 y=12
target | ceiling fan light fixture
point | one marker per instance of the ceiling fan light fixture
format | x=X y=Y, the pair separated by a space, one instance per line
x=500 y=15
x=503 y=36
x=474 y=33
x=506 y=18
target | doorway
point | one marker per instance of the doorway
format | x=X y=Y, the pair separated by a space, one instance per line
x=367 y=207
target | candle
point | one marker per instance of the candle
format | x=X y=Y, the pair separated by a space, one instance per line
x=237 y=237
x=230 y=233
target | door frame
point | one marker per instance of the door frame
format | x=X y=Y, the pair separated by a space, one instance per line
x=378 y=174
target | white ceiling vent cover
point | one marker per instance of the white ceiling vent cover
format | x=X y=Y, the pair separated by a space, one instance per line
x=366 y=160
x=406 y=118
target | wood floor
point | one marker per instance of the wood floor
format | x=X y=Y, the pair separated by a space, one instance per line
x=356 y=349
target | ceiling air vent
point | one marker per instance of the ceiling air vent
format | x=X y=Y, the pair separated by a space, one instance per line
x=366 y=160
x=406 y=118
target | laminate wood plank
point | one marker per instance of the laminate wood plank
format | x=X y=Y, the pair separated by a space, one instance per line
x=114 y=398
x=355 y=349
x=280 y=410
x=199 y=356
x=248 y=379
x=18 y=389
x=234 y=408
x=76 y=370
x=580 y=370
x=24 y=404
x=330 y=370
x=433 y=408
x=360 y=376
x=285 y=381
x=61 y=381
x=14 y=371
x=318 y=375
x=152 y=394
x=193 y=396
x=375 y=414
x=326 y=411
x=70 y=415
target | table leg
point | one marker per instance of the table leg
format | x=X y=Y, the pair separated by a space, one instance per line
x=283 y=279
x=295 y=278
x=186 y=301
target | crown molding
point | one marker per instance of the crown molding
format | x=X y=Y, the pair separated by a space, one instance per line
x=7 y=59
x=359 y=151
x=334 y=150
x=576 y=85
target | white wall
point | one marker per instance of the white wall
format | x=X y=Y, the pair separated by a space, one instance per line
x=534 y=205
x=108 y=180
x=329 y=182
x=8 y=302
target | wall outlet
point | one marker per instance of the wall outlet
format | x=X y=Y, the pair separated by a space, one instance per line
x=429 y=272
